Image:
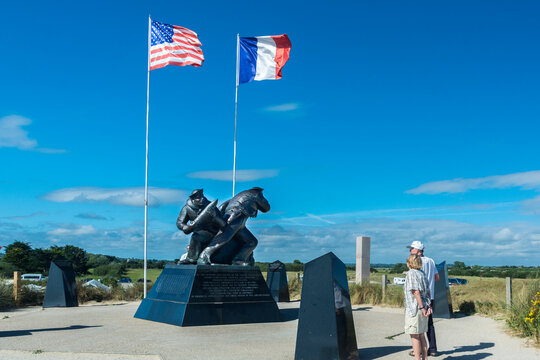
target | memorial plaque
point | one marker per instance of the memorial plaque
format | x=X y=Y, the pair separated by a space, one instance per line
x=189 y=295
x=443 y=299
x=276 y=278
x=325 y=323
x=61 y=287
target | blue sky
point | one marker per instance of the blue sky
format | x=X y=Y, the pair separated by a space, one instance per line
x=401 y=121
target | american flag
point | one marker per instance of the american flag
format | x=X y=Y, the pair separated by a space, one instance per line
x=174 y=45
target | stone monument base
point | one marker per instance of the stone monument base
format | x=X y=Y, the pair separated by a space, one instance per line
x=193 y=295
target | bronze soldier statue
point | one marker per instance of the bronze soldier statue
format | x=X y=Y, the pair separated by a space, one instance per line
x=202 y=218
x=236 y=212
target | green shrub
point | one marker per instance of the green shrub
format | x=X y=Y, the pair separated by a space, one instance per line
x=6 y=296
x=89 y=293
x=113 y=270
x=117 y=292
x=524 y=315
x=30 y=297
x=7 y=269
x=110 y=281
x=135 y=292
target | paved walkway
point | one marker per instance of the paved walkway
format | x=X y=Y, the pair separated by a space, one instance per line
x=109 y=332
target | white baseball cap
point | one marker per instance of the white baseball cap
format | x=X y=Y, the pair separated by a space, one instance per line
x=416 y=245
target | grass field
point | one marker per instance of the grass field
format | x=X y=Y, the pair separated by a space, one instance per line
x=487 y=294
x=484 y=296
x=135 y=274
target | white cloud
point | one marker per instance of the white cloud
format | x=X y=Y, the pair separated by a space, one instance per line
x=444 y=239
x=282 y=107
x=13 y=135
x=480 y=211
x=241 y=175
x=504 y=244
x=74 y=230
x=504 y=235
x=131 y=196
x=525 y=180
x=532 y=206
x=320 y=218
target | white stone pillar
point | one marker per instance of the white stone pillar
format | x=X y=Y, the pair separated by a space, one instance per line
x=363 y=248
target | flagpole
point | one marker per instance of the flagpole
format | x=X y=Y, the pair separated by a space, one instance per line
x=236 y=110
x=146 y=170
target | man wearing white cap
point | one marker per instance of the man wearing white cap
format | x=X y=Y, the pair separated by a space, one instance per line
x=429 y=268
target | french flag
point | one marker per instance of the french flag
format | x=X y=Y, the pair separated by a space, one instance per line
x=262 y=57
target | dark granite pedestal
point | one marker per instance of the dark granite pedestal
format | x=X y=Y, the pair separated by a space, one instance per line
x=276 y=278
x=61 y=287
x=192 y=295
x=325 y=320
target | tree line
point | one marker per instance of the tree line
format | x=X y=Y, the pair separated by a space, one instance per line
x=458 y=268
x=517 y=272
x=20 y=256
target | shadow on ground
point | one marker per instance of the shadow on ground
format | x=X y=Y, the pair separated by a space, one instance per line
x=478 y=356
x=363 y=308
x=469 y=348
x=379 y=352
x=288 y=314
x=29 y=332
x=98 y=304
x=292 y=314
x=459 y=315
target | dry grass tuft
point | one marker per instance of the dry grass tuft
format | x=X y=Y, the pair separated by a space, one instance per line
x=295 y=288
x=372 y=294
x=86 y=294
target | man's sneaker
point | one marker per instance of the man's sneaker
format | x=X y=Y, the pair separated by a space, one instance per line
x=434 y=354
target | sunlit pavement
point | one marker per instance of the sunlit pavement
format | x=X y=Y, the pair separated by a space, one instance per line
x=110 y=332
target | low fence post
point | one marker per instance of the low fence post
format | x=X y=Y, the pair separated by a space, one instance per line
x=508 y=293
x=17 y=287
x=384 y=278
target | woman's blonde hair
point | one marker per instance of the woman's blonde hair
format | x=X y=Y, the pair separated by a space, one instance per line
x=414 y=262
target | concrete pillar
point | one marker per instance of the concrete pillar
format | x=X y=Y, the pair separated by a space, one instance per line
x=363 y=248
x=17 y=287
